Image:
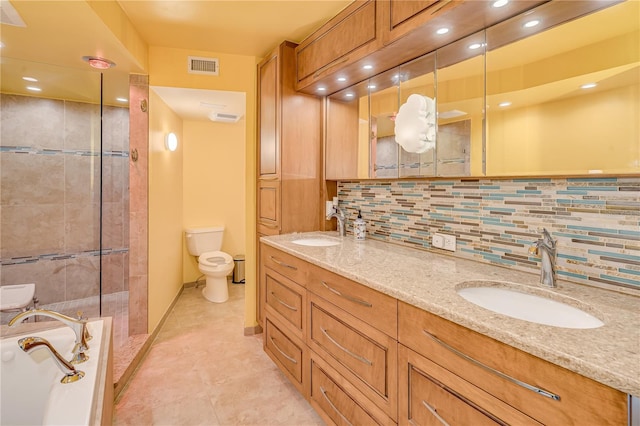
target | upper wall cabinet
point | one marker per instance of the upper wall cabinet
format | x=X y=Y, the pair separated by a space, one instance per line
x=372 y=36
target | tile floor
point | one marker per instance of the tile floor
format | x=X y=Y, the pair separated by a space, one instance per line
x=202 y=370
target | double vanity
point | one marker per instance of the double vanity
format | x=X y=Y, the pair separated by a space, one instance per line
x=370 y=332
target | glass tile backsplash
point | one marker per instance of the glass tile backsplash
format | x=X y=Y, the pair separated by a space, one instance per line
x=596 y=221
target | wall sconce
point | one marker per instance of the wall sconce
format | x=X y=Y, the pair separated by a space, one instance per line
x=171 y=141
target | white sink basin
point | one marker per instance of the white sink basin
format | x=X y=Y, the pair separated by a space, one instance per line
x=529 y=307
x=316 y=242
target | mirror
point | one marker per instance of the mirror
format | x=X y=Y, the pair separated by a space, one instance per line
x=550 y=127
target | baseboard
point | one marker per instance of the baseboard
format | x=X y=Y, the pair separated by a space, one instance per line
x=250 y=331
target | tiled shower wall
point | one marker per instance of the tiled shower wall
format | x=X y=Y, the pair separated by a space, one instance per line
x=50 y=197
x=596 y=221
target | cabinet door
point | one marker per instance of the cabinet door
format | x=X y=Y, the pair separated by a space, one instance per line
x=286 y=299
x=287 y=352
x=268 y=207
x=268 y=115
x=348 y=37
x=407 y=15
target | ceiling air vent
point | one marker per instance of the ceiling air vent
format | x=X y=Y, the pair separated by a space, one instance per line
x=224 y=117
x=199 y=65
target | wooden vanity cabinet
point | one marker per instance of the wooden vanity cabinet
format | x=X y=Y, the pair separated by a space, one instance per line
x=555 y=395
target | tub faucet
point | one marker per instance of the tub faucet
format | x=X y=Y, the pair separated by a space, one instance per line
x=338 y=213
x=79 y=327
x=546 y=248
x=30 y=344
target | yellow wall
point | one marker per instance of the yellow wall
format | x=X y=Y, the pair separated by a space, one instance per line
x=219 y=160
x=214 y=185
x=165 y=209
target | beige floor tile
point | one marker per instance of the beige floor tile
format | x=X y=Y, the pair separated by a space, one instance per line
x=202 y=370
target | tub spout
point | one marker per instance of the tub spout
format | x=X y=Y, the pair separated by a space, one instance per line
x=79 y=327
x=30 y=344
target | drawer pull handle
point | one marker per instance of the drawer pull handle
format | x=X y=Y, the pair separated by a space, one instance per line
x=435 y=413
x=500 y=374
x=275 y=345
x=324 y=394
x=346 y=296
x=281 y=263
x=283 y=303
x=356 y=356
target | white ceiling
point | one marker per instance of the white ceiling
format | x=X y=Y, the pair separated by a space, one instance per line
x=196 y=104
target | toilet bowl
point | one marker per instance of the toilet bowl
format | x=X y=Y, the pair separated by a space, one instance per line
x=216 y=266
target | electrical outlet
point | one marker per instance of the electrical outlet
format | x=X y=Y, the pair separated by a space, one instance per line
x=449 y=242
x=437 y=240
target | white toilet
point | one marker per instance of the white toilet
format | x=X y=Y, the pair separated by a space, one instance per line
x=213 y=263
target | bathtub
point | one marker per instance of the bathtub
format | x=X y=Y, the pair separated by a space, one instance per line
x=31 y=390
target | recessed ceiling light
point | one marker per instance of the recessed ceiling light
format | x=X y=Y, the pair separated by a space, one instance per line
x=500 y=3
x=442 y=31
x=1 y=45
x=531 y=23
x=342 y=79
x=349 y=95
x=367 y=67
x=475 y=46
x=321 y=89
x=99 y=63
x=504 y=104
x=588 y=86
x=371 y=86
x=122 y=99
x=31 y=79
x=34 y=89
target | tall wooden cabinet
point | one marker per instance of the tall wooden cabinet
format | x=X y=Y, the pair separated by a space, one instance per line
x=289 y=152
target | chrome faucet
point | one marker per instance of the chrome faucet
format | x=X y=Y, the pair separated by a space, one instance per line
x=79 y=327
x=546 y=248
x=338 y=213
x=30 y=344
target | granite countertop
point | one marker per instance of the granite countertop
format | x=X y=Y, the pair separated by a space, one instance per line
x=609 y=354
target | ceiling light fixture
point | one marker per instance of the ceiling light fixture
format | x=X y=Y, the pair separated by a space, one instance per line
x=349 y=95
x=31 y=79
x=500 y=3
x=367 y=67
x=342 y=79
x=504 y=104
x=371 y=86
x=588 y=86
x=442 y=31
x=321 y=89
x=99 y=63
x=122 y=99
x=475 y=46
x=532 y=23
x=34 y=89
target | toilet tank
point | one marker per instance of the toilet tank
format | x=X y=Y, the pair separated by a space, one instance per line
x=201 y=240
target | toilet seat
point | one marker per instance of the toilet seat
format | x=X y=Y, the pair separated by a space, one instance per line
x=16 y=297
x=215 y=259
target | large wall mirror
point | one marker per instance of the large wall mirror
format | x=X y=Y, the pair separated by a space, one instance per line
x=510 y=102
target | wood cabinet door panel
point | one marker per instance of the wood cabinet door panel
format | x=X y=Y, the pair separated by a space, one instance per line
x=268 y=207
x=268 y=116
x=289 y=266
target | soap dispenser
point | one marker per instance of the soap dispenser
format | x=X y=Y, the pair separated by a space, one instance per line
x=359 y=227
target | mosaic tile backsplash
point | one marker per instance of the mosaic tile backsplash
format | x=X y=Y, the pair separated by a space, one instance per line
x=596 y=221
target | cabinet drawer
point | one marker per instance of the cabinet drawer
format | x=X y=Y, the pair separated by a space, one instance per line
x=562 y=397
x=285 y=264
x=349 y=36
x=428 y=391
x=362 y=354
x=287 y=299
x=371 y=306
x=286 y=353
x=334 y=398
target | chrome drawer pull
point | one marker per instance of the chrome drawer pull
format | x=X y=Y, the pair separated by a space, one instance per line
x=435 y=413
x=283 y=303
x=324 y=394
x=281 y=263
x=356 y=356
x=535 y=389
x=275 y=345
x=346 y=296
